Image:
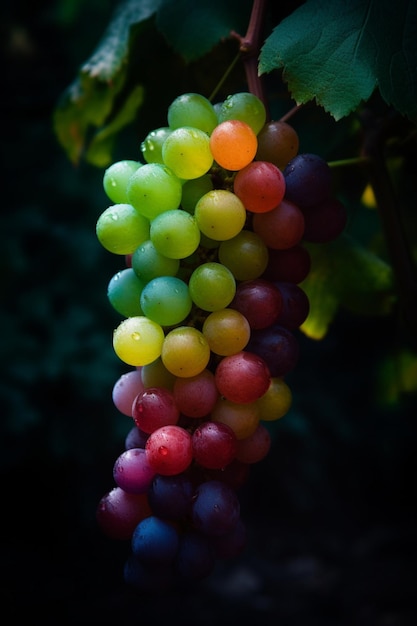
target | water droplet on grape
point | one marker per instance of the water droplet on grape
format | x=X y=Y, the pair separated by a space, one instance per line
x=163 y=450
x=135 y=336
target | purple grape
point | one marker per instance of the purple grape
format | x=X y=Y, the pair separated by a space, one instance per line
x=135 y=438
x=170 y=497
x=295 y=305
x=308 y=180
x=259 y=301
x=291 y=265
x=155 y=541
x=216 y=508
x=324 y=222
x=277 y=346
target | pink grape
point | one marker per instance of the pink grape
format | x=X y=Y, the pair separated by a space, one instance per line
x=243 y=377
x=125 y=390
x=132 y=471
x=169 y=450
x=154 y=407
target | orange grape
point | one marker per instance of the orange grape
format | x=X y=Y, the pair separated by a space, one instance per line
x=233 y=144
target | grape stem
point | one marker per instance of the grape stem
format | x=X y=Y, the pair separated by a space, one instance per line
x=249 y=47
x=290 y=113
x=360 y=160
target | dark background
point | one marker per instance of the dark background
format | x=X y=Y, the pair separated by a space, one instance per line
x=331 y=513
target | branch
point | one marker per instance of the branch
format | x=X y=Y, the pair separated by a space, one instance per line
x=393 y=228
x=249 y=48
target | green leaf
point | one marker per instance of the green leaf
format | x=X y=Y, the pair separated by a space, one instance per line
x=345 y=273
x=194 y=28
x=338 y=52
x=396 y=32
x=90 y=101
x=100 y=149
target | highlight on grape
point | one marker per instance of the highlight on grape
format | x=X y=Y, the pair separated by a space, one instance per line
x=209 y=225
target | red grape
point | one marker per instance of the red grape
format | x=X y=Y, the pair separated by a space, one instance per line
x=243 y=377
x=169 y=450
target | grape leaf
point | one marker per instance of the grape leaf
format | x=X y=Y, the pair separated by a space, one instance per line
x=100 y=148
x=193 y=28
x=89 y=101
x=345 y=273
x=337 y=53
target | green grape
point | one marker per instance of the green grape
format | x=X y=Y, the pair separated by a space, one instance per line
x=123 y=292
x=116 y=177
x=151 y=146
x=227 y=331
x=138 y=340
x=217 y=108
x=153 y=189
x=148 y=263
x=212 y=286
x=175 y=234
x=185 y=351
x=246 y=255
x=121 y=229
x=192 y=190
x=220 y=214
x=192 y=109
x=155 y=374
x=166 y=300
x=187 y=152
x=246 y=107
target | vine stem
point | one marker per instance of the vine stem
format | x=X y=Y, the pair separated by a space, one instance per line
x=249 y=47
x=393 y=228
x=360 y=160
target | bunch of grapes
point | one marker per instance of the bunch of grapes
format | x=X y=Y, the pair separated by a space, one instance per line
x=210 y=224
